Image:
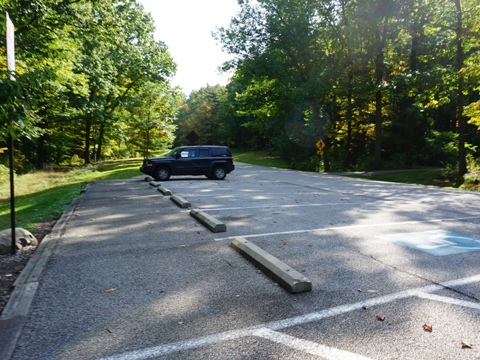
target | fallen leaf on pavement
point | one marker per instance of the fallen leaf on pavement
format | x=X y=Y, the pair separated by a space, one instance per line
x=110 y=331
x=284 y=243
x=428 y=328
x=467 y=345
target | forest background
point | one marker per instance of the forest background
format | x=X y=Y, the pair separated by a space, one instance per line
x=327 y=85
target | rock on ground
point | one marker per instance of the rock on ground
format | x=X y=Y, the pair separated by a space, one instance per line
x=23 y=238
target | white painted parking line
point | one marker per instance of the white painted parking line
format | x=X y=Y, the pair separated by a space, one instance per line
x=308 y=347
x=350 y=227
x=449 y=300
x=284 y=206
x=286 y=323
x=244 y=193
x=277 y=206
x=160 y=350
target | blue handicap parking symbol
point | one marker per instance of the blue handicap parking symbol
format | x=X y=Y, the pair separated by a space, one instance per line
x=436 y=242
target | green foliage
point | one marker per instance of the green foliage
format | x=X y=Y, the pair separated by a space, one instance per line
x=473 y=112
x=152 y=113
x=391 y=76
x=441 y=149
x=382 y=83
x=4 y=173
x=17 y=118
x=204 y=113
x=81 y=68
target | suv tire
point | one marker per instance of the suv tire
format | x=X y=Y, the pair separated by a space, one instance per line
x=162 y=173
x=219 y=173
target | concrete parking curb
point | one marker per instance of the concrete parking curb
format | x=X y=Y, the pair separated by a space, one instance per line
x=287 y=277
x=154 y=183
x=209 y=221
x=180 y=201
x=164 y=190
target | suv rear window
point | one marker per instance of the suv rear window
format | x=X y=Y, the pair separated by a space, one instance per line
x=221 y=152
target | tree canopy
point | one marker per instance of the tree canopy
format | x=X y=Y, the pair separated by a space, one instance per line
x=82 y=68
x=390 y=82
x=329 y=85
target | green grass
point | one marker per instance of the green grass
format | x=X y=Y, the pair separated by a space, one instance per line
x=43 y=196
x=431 y=177
x=420 y=177
x=262 y=158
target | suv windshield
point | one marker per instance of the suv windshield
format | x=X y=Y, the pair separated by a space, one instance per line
x=172 y=152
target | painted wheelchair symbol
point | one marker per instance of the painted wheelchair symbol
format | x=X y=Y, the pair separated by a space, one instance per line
x=436 y=242
x=451 y=241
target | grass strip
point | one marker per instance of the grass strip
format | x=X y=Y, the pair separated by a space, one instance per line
x=43 y=196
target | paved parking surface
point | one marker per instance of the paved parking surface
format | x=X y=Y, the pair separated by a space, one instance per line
x=133 y=276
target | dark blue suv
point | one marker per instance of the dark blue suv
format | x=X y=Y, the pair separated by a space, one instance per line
x=213 y=161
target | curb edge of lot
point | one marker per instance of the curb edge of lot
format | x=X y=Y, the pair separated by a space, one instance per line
x=16 y=311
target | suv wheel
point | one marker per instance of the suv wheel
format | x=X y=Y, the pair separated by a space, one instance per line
x=219 y=173
x=162 y=174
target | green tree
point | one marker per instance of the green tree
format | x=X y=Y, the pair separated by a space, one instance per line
x=118 y=58
x=83 y=60
x=203 y=113
x=282 y=52
x=383 y=72
x=153 y=110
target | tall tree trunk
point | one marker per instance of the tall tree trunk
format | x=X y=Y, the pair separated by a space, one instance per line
x=88 y=130
x=379 y=73
x=461 y=121
x=349 y=114
x=378 y=130
x=101 y=135
x=146 y=152
x=349 y=157
x=410 y=113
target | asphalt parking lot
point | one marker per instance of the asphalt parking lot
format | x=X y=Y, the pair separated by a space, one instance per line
x=394 y=269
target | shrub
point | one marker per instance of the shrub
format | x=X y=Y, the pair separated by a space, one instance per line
x=4 y=173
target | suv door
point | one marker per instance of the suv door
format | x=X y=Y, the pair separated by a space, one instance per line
x=183 y=162
x=202 y=162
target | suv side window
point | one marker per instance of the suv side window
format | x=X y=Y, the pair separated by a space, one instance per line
x=203 y=152
x=190 y=153
x=221 y=152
